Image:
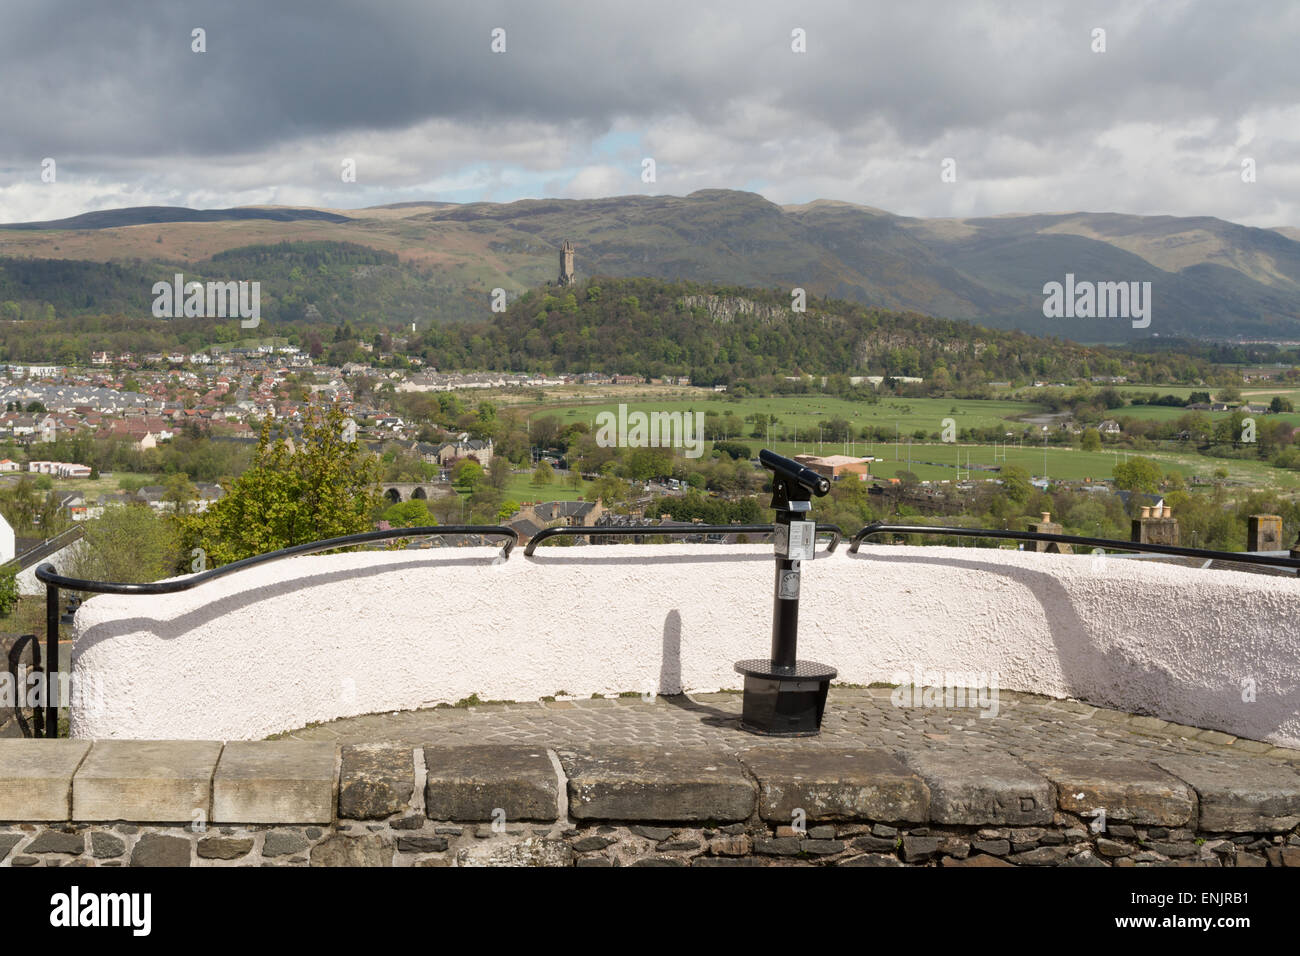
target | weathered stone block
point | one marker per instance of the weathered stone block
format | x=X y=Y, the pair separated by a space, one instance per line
x=8 y=841
x=835 y=784
x=421 y=844
x=1242 y=796
x=778 y=846
x=56 y=841
x=980 y=860
x=375 y=781
x=653 y=784
x=146 y=781
x=1041 y=856
x=36 y=778
x=871 y=859
x=991 y=788
x=1128 y=790
x=917 y=849
x=157 y=849
x=274 y=781
x=104 y=845
x=224 y=848
x=368 y=850
x=531 y=852
x=477 y=783
x=283 y=843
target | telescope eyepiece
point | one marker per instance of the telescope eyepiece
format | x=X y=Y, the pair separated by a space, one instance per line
x=793 y=472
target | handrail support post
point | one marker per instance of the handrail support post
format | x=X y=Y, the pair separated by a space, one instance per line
x=50 y=677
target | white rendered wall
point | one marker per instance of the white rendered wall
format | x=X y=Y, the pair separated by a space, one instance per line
x=315 y=638
x=7 y=542
x=29 y=584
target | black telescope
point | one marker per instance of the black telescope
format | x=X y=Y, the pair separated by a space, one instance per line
x=784 y=696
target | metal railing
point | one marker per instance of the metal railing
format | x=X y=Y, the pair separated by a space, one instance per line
x=54 y=581
x=1241 y=557
x=678 y=531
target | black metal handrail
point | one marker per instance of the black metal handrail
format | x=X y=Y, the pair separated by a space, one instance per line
x=54 y=581
x=650 y=530
x=49 y=575
x=1242 y=557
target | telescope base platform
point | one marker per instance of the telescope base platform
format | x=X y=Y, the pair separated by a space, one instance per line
x=784 y=701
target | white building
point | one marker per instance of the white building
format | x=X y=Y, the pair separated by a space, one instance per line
x=7 y=544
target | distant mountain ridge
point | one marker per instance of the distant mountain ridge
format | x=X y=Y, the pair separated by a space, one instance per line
x=1210 y=278
x=146 y=215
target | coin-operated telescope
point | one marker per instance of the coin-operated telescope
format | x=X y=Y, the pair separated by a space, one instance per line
x=784 y=696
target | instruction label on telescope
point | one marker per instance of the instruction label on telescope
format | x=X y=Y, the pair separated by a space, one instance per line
x=797 y=543
x=788 y=589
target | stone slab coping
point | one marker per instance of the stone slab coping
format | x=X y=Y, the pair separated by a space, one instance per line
x=286 y=781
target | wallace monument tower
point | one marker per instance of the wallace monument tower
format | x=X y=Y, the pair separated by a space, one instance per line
x=567 y=276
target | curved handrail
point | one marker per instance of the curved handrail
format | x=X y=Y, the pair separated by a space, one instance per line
x=48 y=574
x=575 y=531
x=1242 y=557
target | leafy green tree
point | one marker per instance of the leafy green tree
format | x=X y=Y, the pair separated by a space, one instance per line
x=642 y=464
x=1138 y=474
x=468 y=474
x=1015 y=483
x=324 y=486
x=128 y=543
x=409 y=514
x=179 y=492
x=543 y=474
x=1091 y=439
x=8 y=590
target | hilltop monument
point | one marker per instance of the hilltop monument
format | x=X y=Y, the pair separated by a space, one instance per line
x=567 y=275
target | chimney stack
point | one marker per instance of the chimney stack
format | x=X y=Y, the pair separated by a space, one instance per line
x=1047 y=526
x=1156 y=525
x=1264 y=533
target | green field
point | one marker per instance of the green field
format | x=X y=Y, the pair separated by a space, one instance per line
x=520 y=488
x=908 y=415
x=104 y=485
x=905 y=414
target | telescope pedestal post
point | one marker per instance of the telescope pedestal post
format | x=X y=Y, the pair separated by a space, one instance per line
x=784 y=696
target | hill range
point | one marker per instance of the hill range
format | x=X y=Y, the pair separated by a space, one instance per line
x=437 y=261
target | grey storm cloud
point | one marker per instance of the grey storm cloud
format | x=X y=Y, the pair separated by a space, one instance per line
x=114 y=90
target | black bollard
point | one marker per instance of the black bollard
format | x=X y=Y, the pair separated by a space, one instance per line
x=784 y=696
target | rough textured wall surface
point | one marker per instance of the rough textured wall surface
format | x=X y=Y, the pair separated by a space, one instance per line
x=321 y=637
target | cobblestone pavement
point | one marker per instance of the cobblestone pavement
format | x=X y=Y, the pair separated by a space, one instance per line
x=1025 y=726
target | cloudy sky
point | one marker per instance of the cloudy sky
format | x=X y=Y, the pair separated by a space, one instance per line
x=412 y=92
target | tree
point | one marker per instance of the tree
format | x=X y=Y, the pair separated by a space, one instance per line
x=1015 y=483
x=324 y=486
x=179 y=492
x=409 y=514
x=543 y=474
x=8 y=590
x=1091 y=439
x=127 y=543
x=468 y=474
x=1138 y=474
x=498 y=474
x=1280 y=404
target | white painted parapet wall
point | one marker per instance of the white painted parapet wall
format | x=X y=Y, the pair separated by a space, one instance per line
x=315 y=638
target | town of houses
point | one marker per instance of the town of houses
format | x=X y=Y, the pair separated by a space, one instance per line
x=149 y=398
